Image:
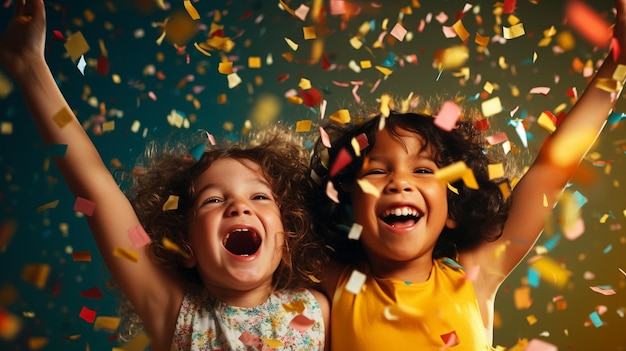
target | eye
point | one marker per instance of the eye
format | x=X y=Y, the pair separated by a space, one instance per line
x=261 y=197
x=374 y=171
x=423 y=171
x=211 y=200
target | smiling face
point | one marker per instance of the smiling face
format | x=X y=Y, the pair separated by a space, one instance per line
x=401 y=227
x=237 y=234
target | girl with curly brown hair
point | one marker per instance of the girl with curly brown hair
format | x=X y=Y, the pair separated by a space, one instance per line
x=230 y=251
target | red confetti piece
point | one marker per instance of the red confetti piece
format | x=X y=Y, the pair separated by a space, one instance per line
x=450 y=339
x=362 y=140
x=84 y=206
x=311 y=97
x=509 y=6
x=103 y=65
x=88 y=315
x=588 y=23
x=343 y=159
x=283 y=77
x=92 y=293
x=482 y=124
x=301 y=323
x=58 y=35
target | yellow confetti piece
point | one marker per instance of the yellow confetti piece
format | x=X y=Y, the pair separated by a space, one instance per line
x=47 y=206
x=63 y=117
x=341 y=116
x=304 y=126
x=356 y=42
x=469 y=179
x=225 y=67
x=546 y=122
x=384 y=70
x=171 y=203
x=495 y=170
x=272 y=343
x=254 y=62
x=295 y=100
x=551 y=271
x=76 y=45
x=291 y=44
x=128 y=254
x=491 y=107
x=365 y=64
x=368 y=188
x=531 y=319
x=620 y=73
x=314 y=279
x=451 y=58
x=36 y=274
x=521 y=298
x=480 y=40
x=453 y=189
x=304 y=84
x=108 y=126
x=193 y=13
x=294 y=306
x=106 y=323
x=138 y=343
x=6 y=128
x=309 y=33
x=201 y=49
x=545 y=201
x=170 y=245
x=452 y=172
x=460 y=30
x=609 y=85
x=514 y=31
x=505 y=190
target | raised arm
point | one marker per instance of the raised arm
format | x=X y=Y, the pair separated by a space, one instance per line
x=555 y=164
x=155 y=294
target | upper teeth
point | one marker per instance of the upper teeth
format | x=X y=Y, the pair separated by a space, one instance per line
x=236 y=230
x=400 y=211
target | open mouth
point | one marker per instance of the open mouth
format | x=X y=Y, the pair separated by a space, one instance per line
x=242 y=242
x=400 y=217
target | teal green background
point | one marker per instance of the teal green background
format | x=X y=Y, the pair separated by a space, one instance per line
x=28 y=180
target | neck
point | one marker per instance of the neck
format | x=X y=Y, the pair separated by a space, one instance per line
x=241 y=297
x=415 y=271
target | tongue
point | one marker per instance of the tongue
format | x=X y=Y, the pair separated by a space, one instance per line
x=242 y=243
x=403 y=224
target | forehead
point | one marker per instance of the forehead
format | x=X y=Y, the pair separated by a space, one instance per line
x=409 y=141
x=232 y=170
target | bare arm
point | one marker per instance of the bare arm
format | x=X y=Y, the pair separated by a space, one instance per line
x=155 y=294
x=555 y=164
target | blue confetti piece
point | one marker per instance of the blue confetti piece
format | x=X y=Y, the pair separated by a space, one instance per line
x=452 y=263
x=615 y=117
x=533 y=277
x=608 y=249
x=595 y=319
x=197 y=151
x=390 y=60
x=372 y=25
x=471 y=98
x=581 y=200
x=551 y=244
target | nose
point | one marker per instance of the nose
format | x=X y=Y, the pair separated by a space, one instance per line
x=238 y=207
x=399 y=184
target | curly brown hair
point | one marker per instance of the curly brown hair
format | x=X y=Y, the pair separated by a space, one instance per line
x=283 y=162
x=479 y=213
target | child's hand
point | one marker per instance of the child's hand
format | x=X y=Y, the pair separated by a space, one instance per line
x=24 y=39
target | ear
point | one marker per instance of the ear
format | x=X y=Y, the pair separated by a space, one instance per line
x=450 y=223
x=189 y=261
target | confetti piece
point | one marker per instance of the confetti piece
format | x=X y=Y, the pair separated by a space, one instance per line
x=450 y=339
x=10 y=325
x=460 y=30
x=292 y=44
x=355 y=231
x=81 y=65
x=171 y=203
x=540 y=345
x=225 y=67
x=595 y=319
x=355 y=282
x=170 y=245
x=7 y=229
x=331 y=192
x=81 y=256
x=76 y=46
x=521 y=298
x=513 y=32
x=605 y=290
x=448 y=115
x=588 y=23
x=540 y=90
x=304 y=126
x=551 y=271
x=294 y=306
x=398 y=32
x=63 y=117
x=301 y=323
x=138 y=236
x=36 y=274
x=106 y=323
x=138 y=343
x=341 y=116
x=495 y=170
x=272 y=343
x=343 y=159
x=491 y=107
x=88 y=315
x=130 y=255
x=309 y=33
x=6 y=128
x=233 y=80
x=547 y=121
x=368 y=188
x=254 y=62
x=84 y=206
x=37 y=342
x=193 y=13
x=451 y=173
x=92 y=293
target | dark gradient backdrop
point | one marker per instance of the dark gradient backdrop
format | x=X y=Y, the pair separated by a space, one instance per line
x=156 y=79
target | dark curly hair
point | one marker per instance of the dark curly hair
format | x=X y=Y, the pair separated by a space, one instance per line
x=171 y=170
x=479 y=213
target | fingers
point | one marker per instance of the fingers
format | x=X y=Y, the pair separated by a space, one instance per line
x=18 y=8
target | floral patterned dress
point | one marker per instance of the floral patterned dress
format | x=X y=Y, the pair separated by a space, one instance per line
x=287 y=320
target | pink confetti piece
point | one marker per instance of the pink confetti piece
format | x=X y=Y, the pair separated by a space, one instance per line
x=84 y=206
x=331 y=192
x=448 y=115
x=606 y=291
x=337 y=7
x=472 y=273
x=540 y=345
x=325 y=138
x=398 y=32
x=250 y=339
x=301 y=323
x=449 y=32
x=540 y=90
x=588 y=23
x=152 y=96
x=450 y=339
x=355 y=94
x=497 y=138
x=138 y=236
x=575 y=230
x=302 y=11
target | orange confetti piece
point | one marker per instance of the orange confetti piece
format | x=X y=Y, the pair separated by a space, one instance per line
x=106 y=323
x=170 y=245
x=193 y=13
x=38 y=342
x=63 y=117
x=341 y=116
x=81 y=256
x=225 y=67
x=36 y=274
x=130 y=255
x=254 y=62
x=304 y=126
x=294 y=306
x=588 y=23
